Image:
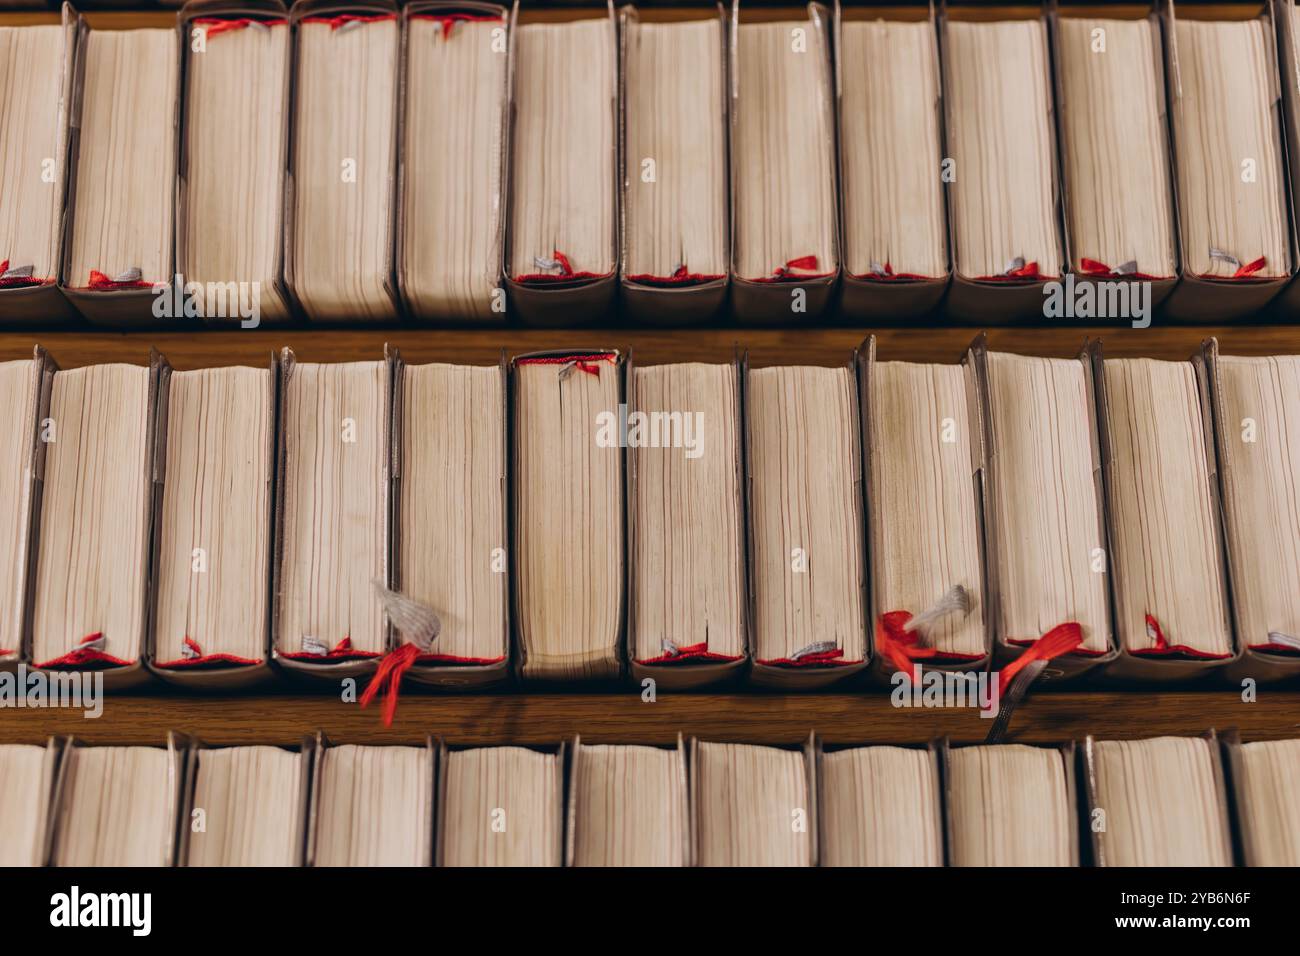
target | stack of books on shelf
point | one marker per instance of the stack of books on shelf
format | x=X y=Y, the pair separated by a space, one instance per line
x=477 y=163
x=1165 y=801
x=574 y=517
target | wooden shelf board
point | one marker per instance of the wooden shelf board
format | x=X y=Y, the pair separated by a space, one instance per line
x=201 y=348
x=623 y=718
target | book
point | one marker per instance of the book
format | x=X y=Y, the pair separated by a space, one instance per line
x=501 y=806
x=1266 y=777
x=245 y=809
x=1257 y=407
x=568 y=515
x=1120 y=217
x=1228 y=151
x=123 y=213
x=1159 y=802
x=231 y=217
x=20 y=390
x=1166 y=555
x=924 y=520
x=686 y=521
x=891 y=145
x=451 y=524
x=1046 y=544
x=26 y=780
x=453 y=155
x=374 y=806
x=333 y=513
x=1010 y=805
x=880 y=806
x=1001 y=140
x=562 y=233
x=675 y=211
x=628 y=806
x=752 y=806
x=116 y=806
x=214 y=526
x=805 y=514
x=89 y=608
x=34 y=101
x=784 y=202
x=342 y=162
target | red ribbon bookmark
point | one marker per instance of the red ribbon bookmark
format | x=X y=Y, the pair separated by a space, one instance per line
x=388 y=679
x=786 y=273
x=1163 y=648
x=566 y=274
x=448 y=20
x=1027 y=272
x=1063 y=639
x=341 y=651
x=1248 y=269
x=16 y=282
x=583 y=363
x=887 y=274
x=690 y=652
x=197 y=658
x=903 y=649
x=680 y=276
x=102 y=283
x=815 y=659
x=217 y=26
x=344 y=19
x=89 y=653
x=1099 y=270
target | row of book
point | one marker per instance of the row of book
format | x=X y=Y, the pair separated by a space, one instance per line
x=574 y=516
x=1164 y=801
x=454 y=161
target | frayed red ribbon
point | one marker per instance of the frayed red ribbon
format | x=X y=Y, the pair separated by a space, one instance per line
x=84 y=656
x=1099 y=270
x=388 y=679
x=336 y=22
x=341 y=651
x=17 y=282
x=583 y=363
x=679 y=277
x=819 y=659
x=903 y=649
x=1028 y=272
x=1063 y=639
x=217 y=26
x=691 y=652
x=204 y=660
x=1163 y=648
x=889 y=275
x=102 y=283
x=449 y=20
x=785 y=273
x=899 y=646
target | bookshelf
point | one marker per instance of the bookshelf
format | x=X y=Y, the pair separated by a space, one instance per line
x=283 y=714
x=286 y=712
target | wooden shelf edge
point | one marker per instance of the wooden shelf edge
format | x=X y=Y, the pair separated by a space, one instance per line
x=625 y=718
x=193 y=348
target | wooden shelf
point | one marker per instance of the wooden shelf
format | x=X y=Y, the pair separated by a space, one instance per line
x=621 y=717
x=202 y=348
x=533 y=718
